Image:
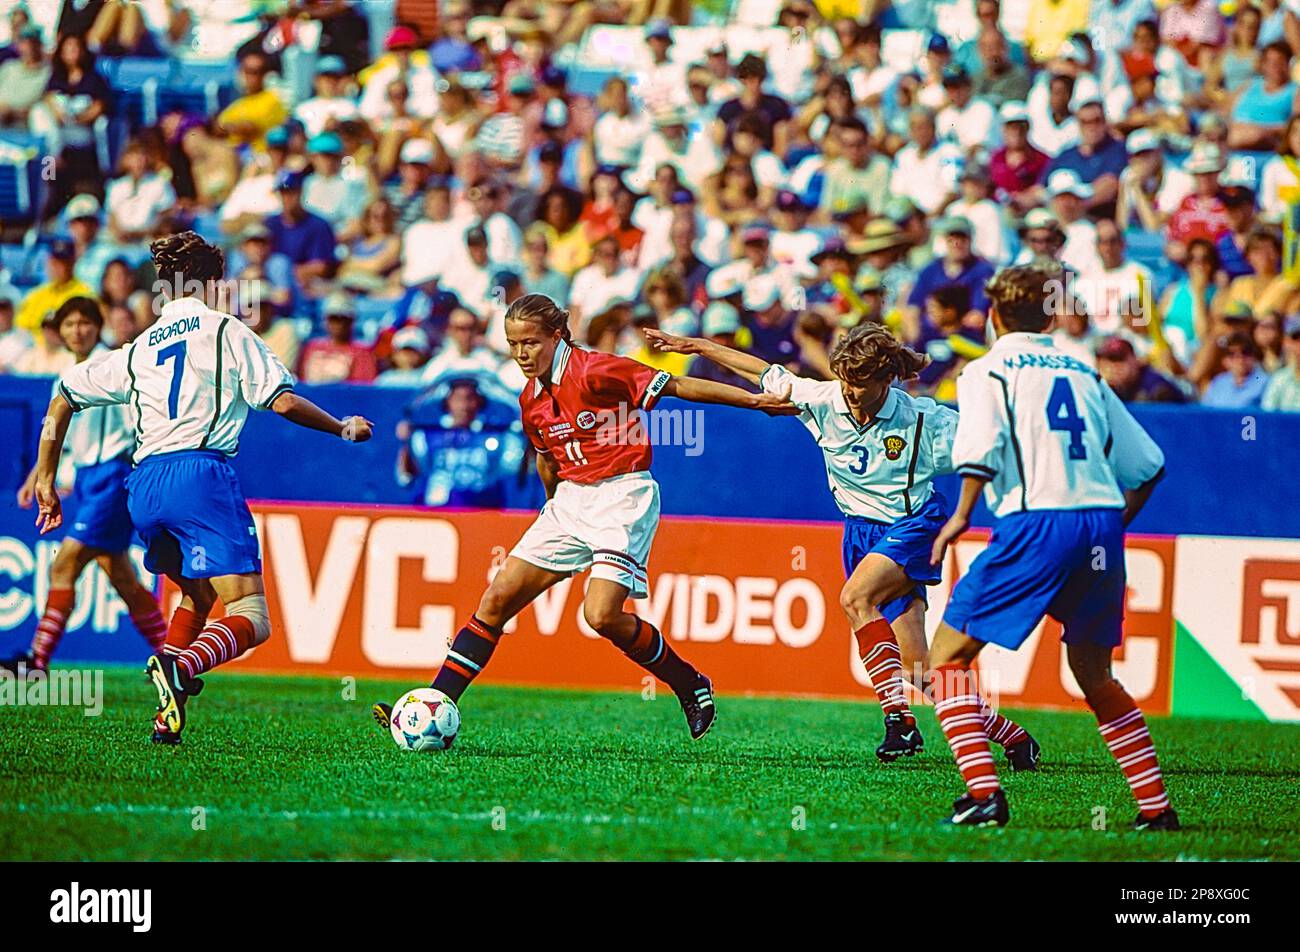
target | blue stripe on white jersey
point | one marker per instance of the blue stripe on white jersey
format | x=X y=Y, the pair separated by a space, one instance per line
x=884 y=469
x=1046 y=431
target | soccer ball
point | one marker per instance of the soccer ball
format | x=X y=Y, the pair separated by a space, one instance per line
x=424 y=719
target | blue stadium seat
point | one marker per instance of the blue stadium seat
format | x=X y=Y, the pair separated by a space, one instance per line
x=22 y=189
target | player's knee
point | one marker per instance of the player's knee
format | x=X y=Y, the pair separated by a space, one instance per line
x=603 y=619
x=858 y=603
x=492 y=607
x=253 y=608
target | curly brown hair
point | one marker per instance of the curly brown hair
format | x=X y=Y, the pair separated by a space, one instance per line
x=1023 y=295
x=187 y=257
x=870 y=352
x=540 y=309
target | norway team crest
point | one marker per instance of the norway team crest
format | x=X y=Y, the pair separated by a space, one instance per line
x=586 y=419
x=894 y=446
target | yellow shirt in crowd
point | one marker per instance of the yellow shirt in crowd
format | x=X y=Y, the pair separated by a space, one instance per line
x=1051 y=22
x=45 y=300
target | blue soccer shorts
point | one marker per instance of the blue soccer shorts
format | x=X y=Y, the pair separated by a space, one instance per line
x=98 y=504
x=190 y=512
x=1066 y=563
x=907 y=542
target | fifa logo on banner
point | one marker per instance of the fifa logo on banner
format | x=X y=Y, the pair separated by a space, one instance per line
x=75 y=905
x=1270 y=621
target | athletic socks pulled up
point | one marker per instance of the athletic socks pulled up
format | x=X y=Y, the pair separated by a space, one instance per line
x=960 y=708
x=469 y=653
x=880 y=654
x=184 y=628
x=1000 y=729
x=49 y=630
x=220 y=641
x=148 y=620
x=650 y=649
x=1124 y=730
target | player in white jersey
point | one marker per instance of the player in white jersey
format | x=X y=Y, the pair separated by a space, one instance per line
x=189 y=382
x=99 y=445
x=882 y=448
x=1064 y=467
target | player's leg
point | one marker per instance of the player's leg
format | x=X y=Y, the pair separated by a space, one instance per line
x=245 y=625
x=1091 y=608
x=140 y=603
x=511 y=590
x=1125 y=732
x=71 y=559
x=954 y=689
x=644 y=645
x=877 y=590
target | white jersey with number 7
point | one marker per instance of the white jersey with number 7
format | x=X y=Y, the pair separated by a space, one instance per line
x=1046 y=431
x=188 y=381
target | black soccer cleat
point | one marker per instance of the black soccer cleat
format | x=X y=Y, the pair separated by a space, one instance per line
x=383 y=715
x=991 y=811
x=22 y=665
x=1164 y=820
x=901 y=739
x=174 y=688
x=1024 y=755
x=697 y=704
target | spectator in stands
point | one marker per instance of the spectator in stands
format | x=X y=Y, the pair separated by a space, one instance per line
x=404 y=62
x=1050 y=23
x=1279 y=185
x=331 y=191
x=967 y=120
x=307 y=240
x=925 y=170
x=410 y=354
x=14 y=341
x=947 y=339
x=751 y=72
x=537 y=276
x=604 y=280
x=332 y=104
x=1262 y=107
x=338 y=358
x=464 y=350
x=48 y=357
x=255 y=259
x=1070 y=197
x=453 y=51
x=720 y=323
x=374 y=254
x=1202 y=213
x=998 y=67
x=23 y=80
x=248 y=119
x=1116 y=288
x=253 y=199
x=1017 y=169
x=570 y=249
x=502 y=138
x=1283 y=390
x=1133 y=380
x=93 y=252
x=1241 y=384
x=60 y=284
x=771 y=326
x=1261 y=290
x=75 y=98
x=486 y=198
x=1149 y=191
x=138 y=199
x=262 y=314
x=665 y=293
x=960 y=266
x=1097 y=160
x=858 y=175
x=621 y=128
x=1185 y=306
x=205 y=166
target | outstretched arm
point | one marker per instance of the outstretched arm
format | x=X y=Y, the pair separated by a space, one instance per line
x=54 y=428
x=707 y=391
x=959 y=521
x=746 y=365
x=300 y=410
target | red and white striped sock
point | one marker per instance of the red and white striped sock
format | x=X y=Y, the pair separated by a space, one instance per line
x=1002 y=730
x=1124 y=730
x=184 y=628
x=49 y=630
x=958 y=704
x=148 y=620
x=221 y=641
x=878 y=649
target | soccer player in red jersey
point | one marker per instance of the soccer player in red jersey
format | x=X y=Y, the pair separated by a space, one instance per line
x=579 y=410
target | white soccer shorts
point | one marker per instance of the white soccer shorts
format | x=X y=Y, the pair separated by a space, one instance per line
x=607 y=527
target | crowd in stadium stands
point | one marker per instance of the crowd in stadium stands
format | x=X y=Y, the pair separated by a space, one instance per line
x=389 y=176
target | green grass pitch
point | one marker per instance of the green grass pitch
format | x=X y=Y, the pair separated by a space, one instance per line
x=285 y=768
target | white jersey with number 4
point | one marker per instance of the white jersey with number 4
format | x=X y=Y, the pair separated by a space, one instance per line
x=1047 y=431
x=188 y=381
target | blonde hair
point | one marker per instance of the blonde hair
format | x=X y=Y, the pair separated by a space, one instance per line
x=869 y=352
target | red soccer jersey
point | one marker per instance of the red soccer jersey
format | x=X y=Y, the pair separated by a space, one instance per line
x=586 y=418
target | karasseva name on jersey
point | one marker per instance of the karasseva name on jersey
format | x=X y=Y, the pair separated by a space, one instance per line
x=183 y=326
x=1047 y=361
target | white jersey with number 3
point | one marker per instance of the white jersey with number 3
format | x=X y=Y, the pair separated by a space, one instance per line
x=188 y=381
x=1047 y=431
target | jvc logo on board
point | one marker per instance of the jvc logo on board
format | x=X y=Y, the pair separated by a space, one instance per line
x=102 y=906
